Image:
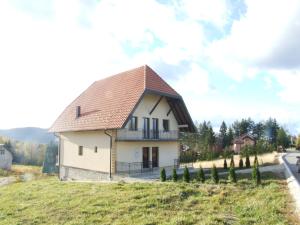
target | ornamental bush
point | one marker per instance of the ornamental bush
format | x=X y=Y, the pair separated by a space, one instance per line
x=186 y=175
x=255 y=160
x=247 y=161
x=174 y=175
x=256 y=175
x=232 y=161
x=225 y=164
x=232 y=175
x=214 y=174
x=200 y=175
x=163 y=176
x=241 y=163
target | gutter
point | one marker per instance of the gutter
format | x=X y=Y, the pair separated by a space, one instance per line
x=110 y=136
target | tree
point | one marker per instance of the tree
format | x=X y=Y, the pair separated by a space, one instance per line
x=49 y=165
x=232 y=175
x=271 y=130
x=163 y=176
x=247 y=163
x=174 y=175
x=282 y=138
x=258 y=131
x=200 y=175
x=214 y=174
x=241 y=163
x=255 y=162
x=229 y=137
x=223 y=134
x=225 y=164
x=232 y=161
x=186 y=175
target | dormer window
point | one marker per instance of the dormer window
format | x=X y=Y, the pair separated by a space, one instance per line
x=77 y=111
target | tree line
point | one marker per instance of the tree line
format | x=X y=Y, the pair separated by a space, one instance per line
x=206 y=144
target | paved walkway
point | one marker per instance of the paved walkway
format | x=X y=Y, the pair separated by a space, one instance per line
x=290 y=159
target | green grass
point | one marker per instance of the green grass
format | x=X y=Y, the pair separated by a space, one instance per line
x=49 y=201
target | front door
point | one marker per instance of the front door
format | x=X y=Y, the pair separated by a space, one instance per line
x=145 y=157
x=154 y=156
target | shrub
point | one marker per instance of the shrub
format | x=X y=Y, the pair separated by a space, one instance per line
x=186 y=175
x=214 y=174
x=225 y=164
x=163 y=175
x=241 y=163
x=232 y=161
x=247 y=161
x=232 y=175
x=200 y=175
x=255 y=160
x=256 y=175
x=174 y=175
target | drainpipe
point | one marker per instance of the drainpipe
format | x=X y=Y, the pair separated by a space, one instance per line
x=110 y=136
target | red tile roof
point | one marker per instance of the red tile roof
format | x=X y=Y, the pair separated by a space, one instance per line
x=107 y=103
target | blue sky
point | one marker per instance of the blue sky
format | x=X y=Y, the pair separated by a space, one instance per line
x=228 y=59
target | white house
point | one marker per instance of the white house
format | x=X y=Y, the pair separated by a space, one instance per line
x=123 y=124
x=5 y=158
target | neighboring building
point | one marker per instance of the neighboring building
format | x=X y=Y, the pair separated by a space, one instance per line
x=5 y=158
x=123 y=124
x=242 y=141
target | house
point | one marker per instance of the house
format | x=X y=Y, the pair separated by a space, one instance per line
x=5 y=158
x=243 y=140
x=127 y=123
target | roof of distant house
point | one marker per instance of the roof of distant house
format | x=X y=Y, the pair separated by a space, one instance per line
x=108 y=103
x=240 y=139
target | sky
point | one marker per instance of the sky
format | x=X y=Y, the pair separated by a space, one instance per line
x=229 y=59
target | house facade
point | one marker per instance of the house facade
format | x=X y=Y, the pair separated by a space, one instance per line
x=125 y=124
x=243 y=141
x=5 y=158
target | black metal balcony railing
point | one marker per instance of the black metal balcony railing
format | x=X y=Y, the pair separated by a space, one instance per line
x=126 y=134
x=140 y=167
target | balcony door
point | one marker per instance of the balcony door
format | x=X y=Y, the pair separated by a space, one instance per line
x=154 y=156
x=146 y=128
x=155 y=128
x=145 y=157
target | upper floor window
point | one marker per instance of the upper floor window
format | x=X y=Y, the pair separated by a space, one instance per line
x=166 y=125
x=133 y=123
x=96 y=149
x=2 y=152
x=80 y=150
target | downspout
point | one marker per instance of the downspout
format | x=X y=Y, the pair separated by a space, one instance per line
x=110 y=147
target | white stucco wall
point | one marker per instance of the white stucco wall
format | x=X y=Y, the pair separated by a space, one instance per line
x=5 y=160
x=133 y=151
x=70 y=142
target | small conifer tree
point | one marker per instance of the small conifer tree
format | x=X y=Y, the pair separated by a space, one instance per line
x=225 y=164
x=256 y=175
x=163 y=175
x=232 y=161
x=255 y=160
x=186 y=175
x=241 y=163
x=200 y=175
x=232 y=175
x=214 y=174
x=247 y=161
x=174 y=175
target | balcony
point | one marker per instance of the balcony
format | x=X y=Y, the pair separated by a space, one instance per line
x=144 y=135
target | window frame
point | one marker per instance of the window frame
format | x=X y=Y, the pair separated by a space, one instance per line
x=168 y=124
x=80 y=150
x=96 y=149
x=133 y=124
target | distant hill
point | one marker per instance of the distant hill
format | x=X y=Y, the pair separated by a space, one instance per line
x=29 y=134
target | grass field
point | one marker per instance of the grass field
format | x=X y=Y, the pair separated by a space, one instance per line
x=21 y=169
x=48 y=201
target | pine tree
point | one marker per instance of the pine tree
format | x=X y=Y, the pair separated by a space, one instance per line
x=232 y=175
x=247 y=161
x=163 y=175
x=174 y=175
x=214 y=174
x=225 y=164
x=200 y=175
x=256 y=175
x=241 y=163
x=186 y=175
x=232 y=161
x=49 y=165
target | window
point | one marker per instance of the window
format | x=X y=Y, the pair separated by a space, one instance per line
x=146 y=130
x=80 y=150
x=133 y=123
x=166 y=125
x=2 y=152
x=96 y=149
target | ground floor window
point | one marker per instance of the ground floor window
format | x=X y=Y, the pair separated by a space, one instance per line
x=80 y=150
x=150 y=161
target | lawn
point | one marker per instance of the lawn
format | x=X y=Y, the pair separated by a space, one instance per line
x=49 y=201
x=17 y=170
